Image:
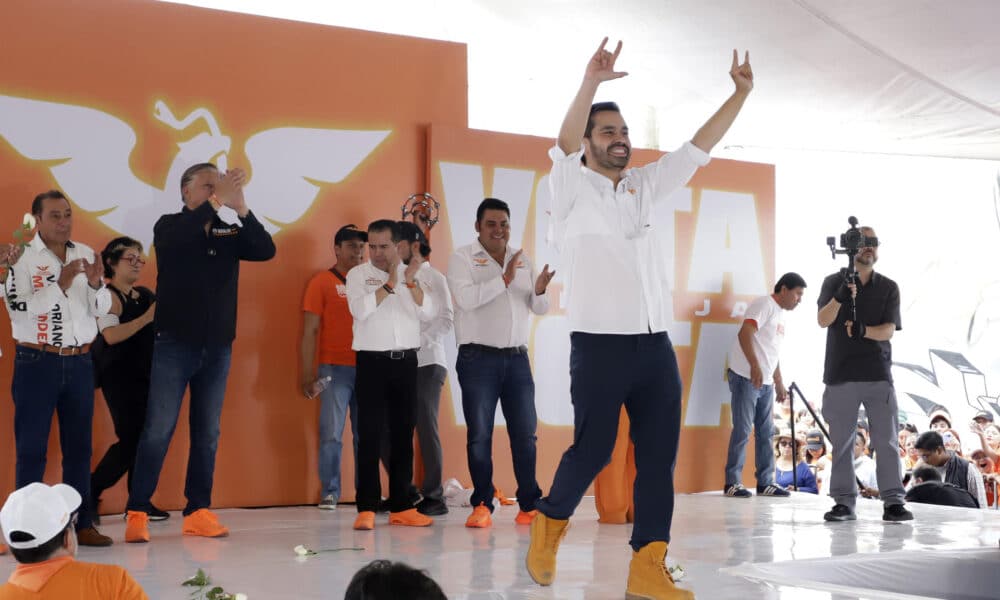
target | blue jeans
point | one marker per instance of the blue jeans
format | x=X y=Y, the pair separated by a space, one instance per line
x=334 y=403
x=176 y=365
x=750 y=408
x=44 y=383
x=606 y=371
x=488 y=376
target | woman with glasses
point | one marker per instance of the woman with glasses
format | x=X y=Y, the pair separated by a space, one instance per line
x=123 y=354
x=788 y=458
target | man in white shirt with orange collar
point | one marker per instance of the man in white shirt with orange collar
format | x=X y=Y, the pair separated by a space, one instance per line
x=496 y=290
x=754 y=378
x=619 y=307
x=388 y=302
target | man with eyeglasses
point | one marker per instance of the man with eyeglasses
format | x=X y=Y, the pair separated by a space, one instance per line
x=857 y=372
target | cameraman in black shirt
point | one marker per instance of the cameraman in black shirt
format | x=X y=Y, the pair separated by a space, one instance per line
x=857 y=371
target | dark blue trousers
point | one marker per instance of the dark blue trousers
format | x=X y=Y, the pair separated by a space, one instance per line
x=606 y=371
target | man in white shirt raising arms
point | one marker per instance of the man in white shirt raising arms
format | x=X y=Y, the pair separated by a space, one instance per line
x=388 y=303
x=495 y=291
x=618 y=307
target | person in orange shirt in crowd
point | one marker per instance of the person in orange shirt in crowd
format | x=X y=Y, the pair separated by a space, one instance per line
x=991 y=479
x=325 y=313
x=38 y=525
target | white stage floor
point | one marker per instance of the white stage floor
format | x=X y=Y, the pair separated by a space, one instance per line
x=719 y=542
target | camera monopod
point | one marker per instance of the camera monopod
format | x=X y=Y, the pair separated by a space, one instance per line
x=792 y=390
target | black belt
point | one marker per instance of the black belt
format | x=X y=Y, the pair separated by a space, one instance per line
x=391 y=354
x=494 y=350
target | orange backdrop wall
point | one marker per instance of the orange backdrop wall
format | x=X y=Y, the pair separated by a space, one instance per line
x=334 y=126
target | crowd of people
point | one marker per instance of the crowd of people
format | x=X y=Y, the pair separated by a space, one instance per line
x=934 y=467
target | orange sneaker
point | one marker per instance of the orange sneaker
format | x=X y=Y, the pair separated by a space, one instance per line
x=502 y=498
x=136 y=527
x=410 y=518
x=480 y=517
x=204 y=523
x=525 y=518
x=365 y=520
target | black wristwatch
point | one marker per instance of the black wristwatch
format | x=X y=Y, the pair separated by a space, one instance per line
x=388 y=289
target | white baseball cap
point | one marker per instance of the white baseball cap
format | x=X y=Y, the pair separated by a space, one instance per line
x=39 y=510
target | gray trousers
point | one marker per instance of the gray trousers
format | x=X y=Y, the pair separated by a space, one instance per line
x=430 y=380
x=840 y=410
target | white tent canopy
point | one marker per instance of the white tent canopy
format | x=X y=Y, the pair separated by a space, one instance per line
x=896 y=76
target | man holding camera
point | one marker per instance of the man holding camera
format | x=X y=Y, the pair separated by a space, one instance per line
x=857 y=371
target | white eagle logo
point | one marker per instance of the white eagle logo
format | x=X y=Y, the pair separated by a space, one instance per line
x=89 y=153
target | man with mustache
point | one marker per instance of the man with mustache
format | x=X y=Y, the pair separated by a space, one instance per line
x=857 y=372
x=619 y=307
x=325 y=316
x=54 y=292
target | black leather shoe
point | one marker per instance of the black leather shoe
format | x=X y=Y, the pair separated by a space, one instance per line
x=432 y=507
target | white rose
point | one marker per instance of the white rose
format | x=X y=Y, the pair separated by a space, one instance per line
x=240 y=596
x=301 y=550
x=29 y=221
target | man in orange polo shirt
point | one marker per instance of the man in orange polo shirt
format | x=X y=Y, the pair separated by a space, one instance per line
x=37 y=522
x=325 y=313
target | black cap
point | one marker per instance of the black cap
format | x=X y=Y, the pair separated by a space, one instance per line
x=350 y=232
x=409 y=232
x=814 y=439
x=984 y=414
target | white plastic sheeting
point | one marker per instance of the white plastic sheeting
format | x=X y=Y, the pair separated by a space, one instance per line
x=913 y=77
x=909 y=575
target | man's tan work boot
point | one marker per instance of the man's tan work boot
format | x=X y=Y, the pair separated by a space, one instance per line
x=546 y=533
x=648 y=578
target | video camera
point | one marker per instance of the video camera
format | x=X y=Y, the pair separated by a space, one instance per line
x=851 y=242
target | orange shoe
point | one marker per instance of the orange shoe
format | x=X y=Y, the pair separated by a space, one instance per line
x=136 y=527
x=204 y=523
x=410 y=518
x=480 y=517
x=3 y=548
x=525 y=518
x=365 y=520
x=502 y=498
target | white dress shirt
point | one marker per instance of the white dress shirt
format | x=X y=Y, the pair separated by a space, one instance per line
x=486 y=311
x=395 y=323
x=40 y=312
x=432 y=332
x=617 y=280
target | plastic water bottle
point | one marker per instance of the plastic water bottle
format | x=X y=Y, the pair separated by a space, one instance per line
x=321 y=384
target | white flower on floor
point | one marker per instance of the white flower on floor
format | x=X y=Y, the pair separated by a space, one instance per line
x=676 y=572
x=301 y=550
